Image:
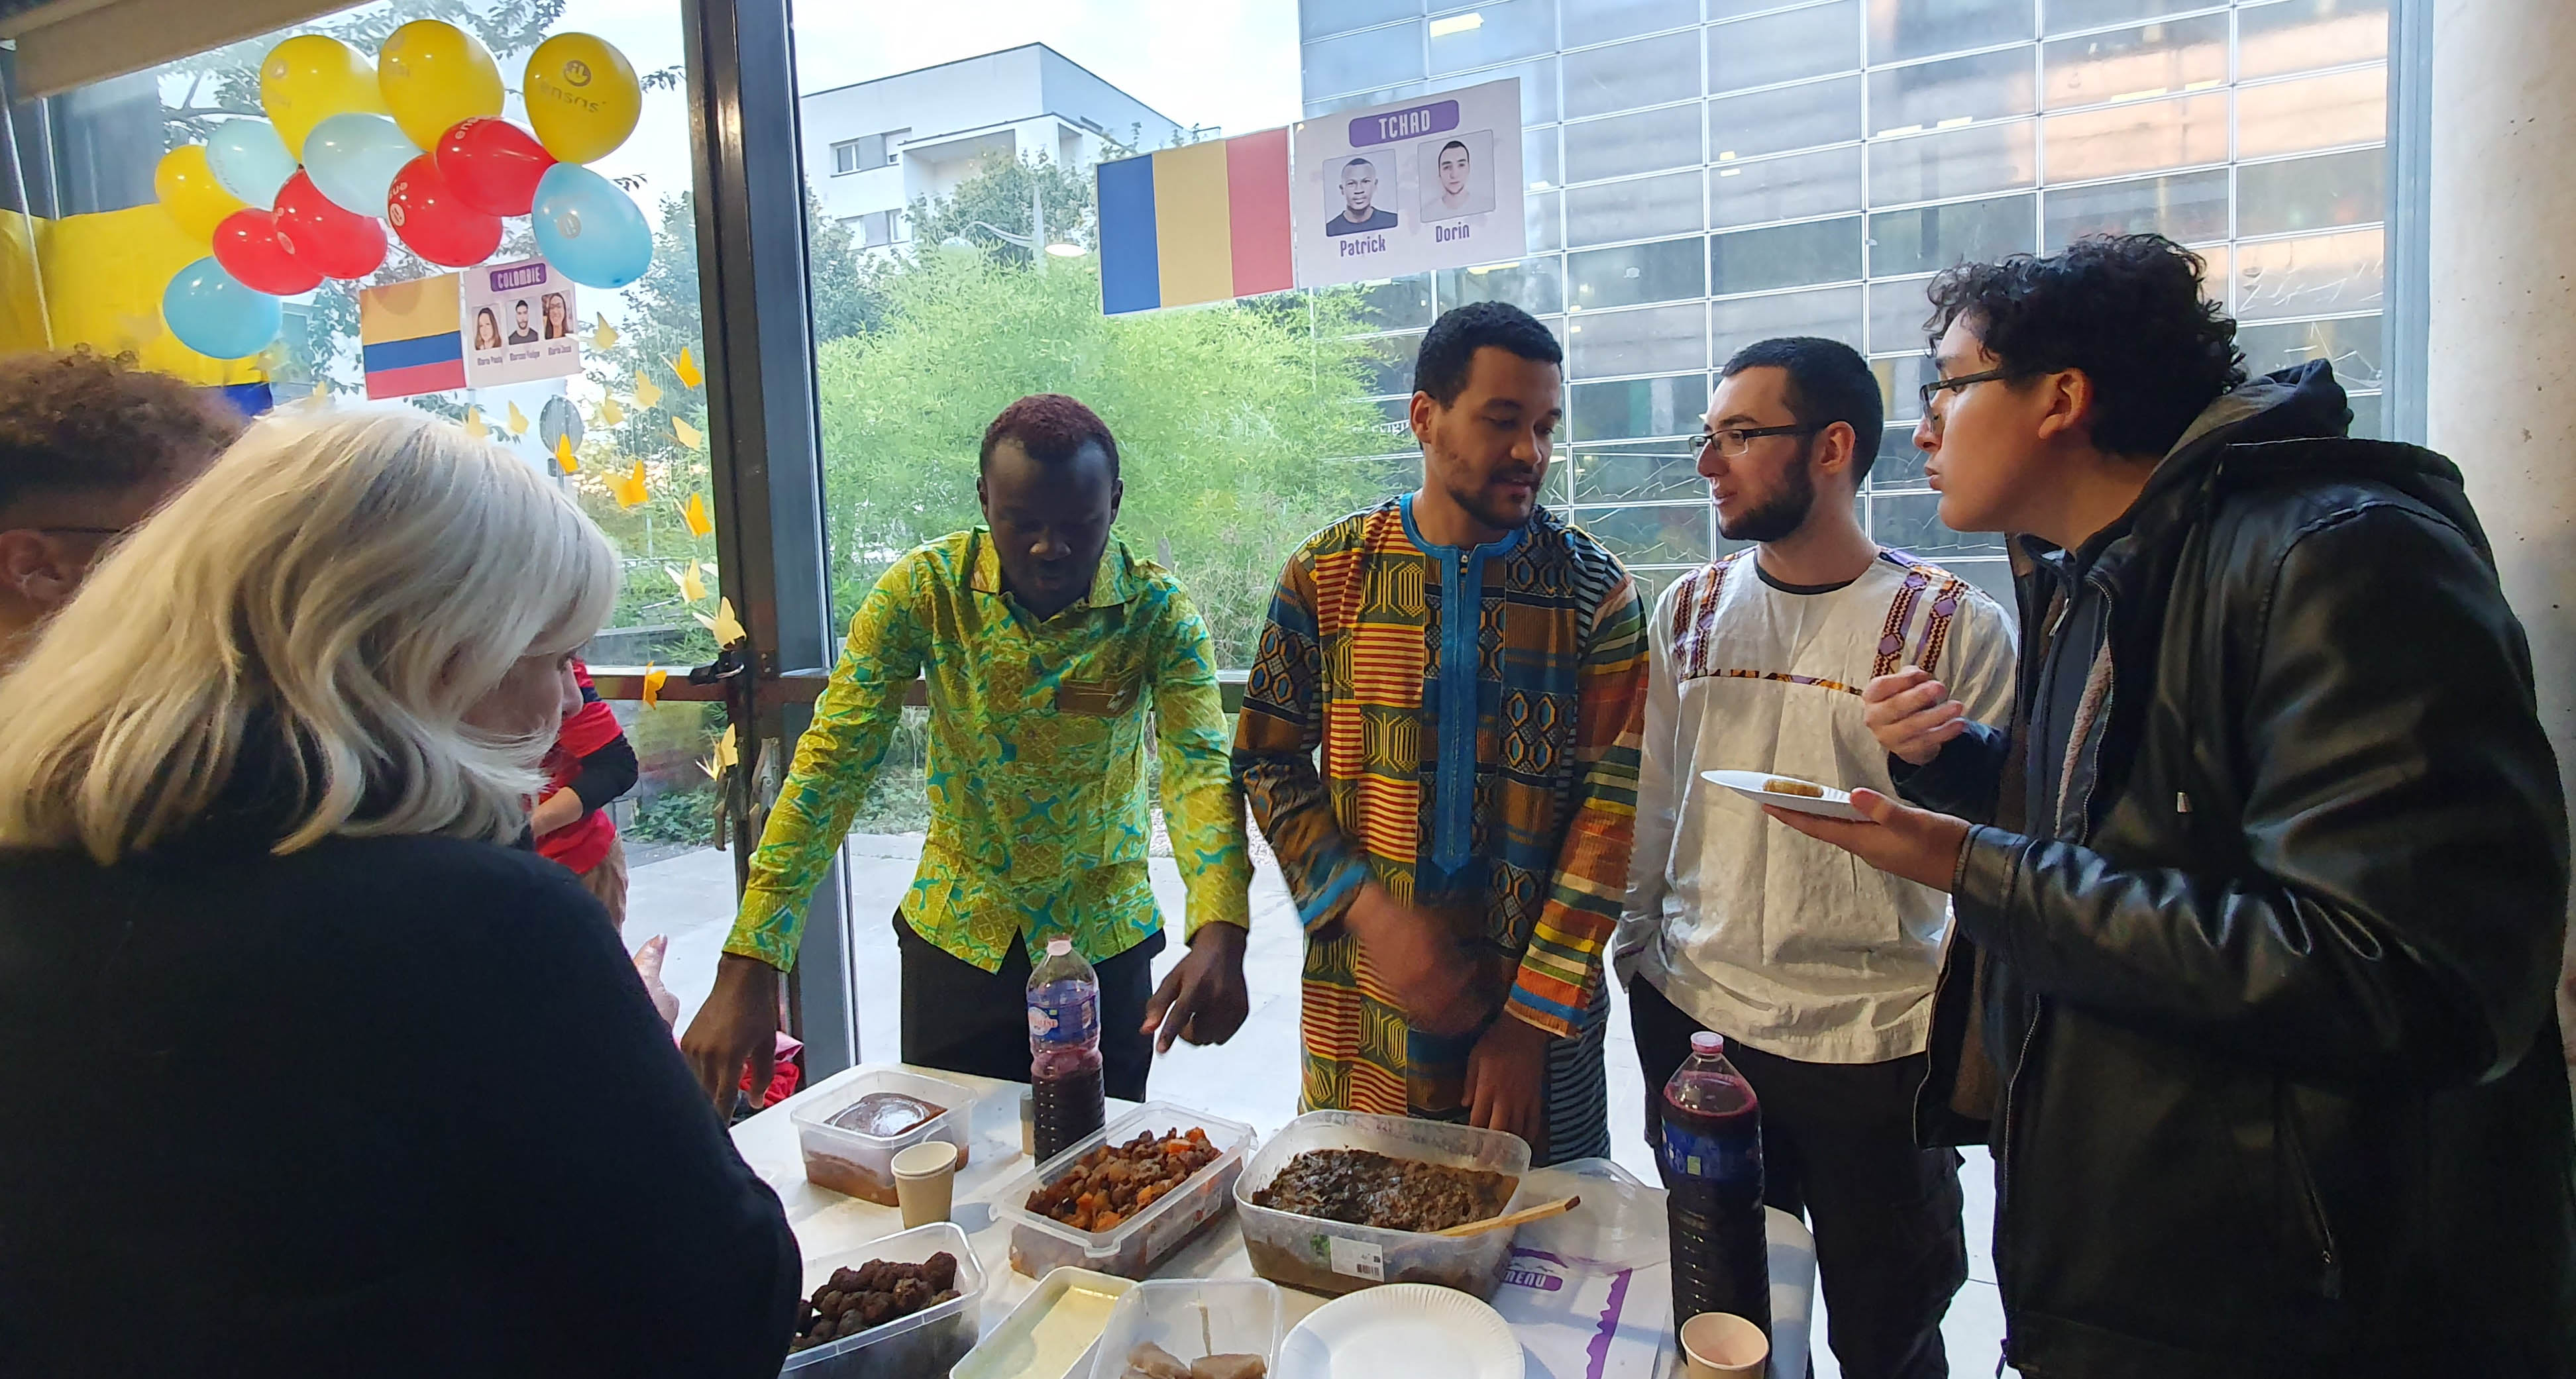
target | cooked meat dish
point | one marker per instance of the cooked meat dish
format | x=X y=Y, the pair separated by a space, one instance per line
x=1150 y=1361
x=1366 y=1188
x=1114 y=1182
x=872 y=1294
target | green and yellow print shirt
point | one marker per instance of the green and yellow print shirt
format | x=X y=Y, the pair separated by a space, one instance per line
x=1039 y=820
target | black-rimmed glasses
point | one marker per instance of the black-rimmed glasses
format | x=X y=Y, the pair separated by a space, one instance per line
x=1951 y=385
x=1733 y=441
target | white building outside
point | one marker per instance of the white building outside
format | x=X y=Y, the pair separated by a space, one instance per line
x=872 y=148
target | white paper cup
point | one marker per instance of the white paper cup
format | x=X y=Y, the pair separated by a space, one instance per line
x=1721 y=1345
x=924 y=1175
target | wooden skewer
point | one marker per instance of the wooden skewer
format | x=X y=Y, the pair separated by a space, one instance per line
x=1522 y=1217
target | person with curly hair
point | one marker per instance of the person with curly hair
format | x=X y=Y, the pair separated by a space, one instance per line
x=89 y=446
x=2259 y=898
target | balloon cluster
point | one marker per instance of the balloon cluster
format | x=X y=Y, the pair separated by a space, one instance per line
x=414 y=141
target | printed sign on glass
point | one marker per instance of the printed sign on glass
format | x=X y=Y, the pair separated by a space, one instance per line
x=1433 y=182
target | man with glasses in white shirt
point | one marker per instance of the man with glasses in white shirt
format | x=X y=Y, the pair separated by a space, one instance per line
x=1819 y=972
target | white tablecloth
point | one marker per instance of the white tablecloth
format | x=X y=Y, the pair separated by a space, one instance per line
x=827 y=1222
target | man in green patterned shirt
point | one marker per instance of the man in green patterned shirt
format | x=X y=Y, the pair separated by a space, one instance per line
x=1045 y=643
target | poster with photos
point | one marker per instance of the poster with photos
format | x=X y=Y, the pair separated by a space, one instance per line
x=522 y=323
x=1432 y=182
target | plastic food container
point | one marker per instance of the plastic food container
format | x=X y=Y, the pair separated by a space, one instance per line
x=1335 y=1257
x=1052 y=1333
x=1193 y=1318
x=927 y=1342
x=860 y=1165
x=1040 y=1243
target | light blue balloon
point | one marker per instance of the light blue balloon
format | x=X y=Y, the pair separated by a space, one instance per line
x=354 y=158
x=213 y=314
x=249 y=160
x=589 y=229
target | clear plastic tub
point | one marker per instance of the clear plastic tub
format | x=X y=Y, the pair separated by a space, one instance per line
x=1336 y=1257
x=1040 y=1243
x=927 y=1342
x=1053 y=1331
x=1191 y=1319
x=862 y=1165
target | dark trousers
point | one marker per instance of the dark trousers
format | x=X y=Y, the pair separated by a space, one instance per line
x=962 y=1018
x=1838 y=1148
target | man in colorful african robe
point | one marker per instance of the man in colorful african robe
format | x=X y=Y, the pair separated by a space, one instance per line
x=1473 y=670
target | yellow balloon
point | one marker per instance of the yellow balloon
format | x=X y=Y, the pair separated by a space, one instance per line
x=582 y=97
x=434 y=74
x=186 y=186
x=308 y=79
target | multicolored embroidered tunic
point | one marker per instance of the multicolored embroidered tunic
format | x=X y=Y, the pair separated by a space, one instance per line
x=1038 y=818
x=1477 y=711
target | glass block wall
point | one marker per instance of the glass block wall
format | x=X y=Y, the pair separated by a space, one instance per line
x=1703 y=173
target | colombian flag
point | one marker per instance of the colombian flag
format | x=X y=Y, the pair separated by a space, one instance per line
x=409 y=337
x=1203 y=223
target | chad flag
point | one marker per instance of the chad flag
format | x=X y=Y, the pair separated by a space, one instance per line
x=1203 y=223
x=409 y=337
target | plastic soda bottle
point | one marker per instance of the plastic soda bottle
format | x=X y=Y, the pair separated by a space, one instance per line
x=1064 y=1050
x=1712 y=1161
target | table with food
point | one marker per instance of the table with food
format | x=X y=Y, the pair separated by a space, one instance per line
x=1172 y=1244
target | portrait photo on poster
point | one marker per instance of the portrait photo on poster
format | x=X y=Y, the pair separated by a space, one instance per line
x=1360 y=189
x=1457 y=176
x=520 y=318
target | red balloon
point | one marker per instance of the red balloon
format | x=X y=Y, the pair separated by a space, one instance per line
x=437 y=223
x=248 y=247
x=493 y=165
x=338 y=241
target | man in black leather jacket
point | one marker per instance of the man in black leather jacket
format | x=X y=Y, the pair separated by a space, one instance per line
x=2259 y=902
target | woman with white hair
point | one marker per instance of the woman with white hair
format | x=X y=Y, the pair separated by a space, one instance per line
x=304 y=1062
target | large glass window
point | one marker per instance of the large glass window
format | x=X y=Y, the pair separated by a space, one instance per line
x=1954 y=162
x=2189 y=207
x=1817 y=251
x=1952 y=91
x=1782 y=47
x=1599 y=21
x=2125 y=64
x=1668 y=204
x=1789 y=188
x=1625 y=76
x=624 y=433
x=1652 y=340
x=1923 y=28
x=1635 y=274
x=1627 y=407
x=1648 y=141
x=1491 y=33
x=1937 y=236
x=1784 y=119
x=1361 y=61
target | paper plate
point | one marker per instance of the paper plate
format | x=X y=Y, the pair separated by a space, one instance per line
x=1833 y=804
x=1423 y=1330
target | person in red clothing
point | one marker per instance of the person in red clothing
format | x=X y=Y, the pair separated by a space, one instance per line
x=591 y=764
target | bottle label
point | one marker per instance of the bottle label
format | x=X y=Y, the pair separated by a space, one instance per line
x=1694 y=1155
x=1065 y=1013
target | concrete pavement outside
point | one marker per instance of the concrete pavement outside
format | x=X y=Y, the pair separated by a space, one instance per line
x=1251 y=1078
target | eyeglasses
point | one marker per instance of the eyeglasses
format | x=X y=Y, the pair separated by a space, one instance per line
x=1947 y=385
x=1735 y=440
